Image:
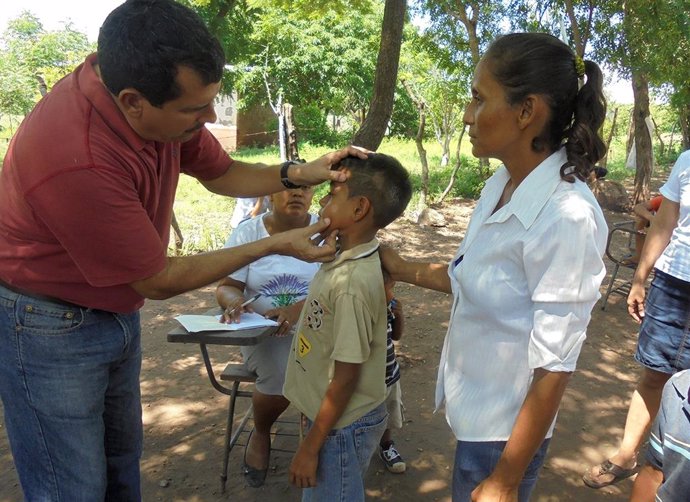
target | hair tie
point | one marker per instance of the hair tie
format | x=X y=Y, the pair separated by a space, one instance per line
x=579 y=66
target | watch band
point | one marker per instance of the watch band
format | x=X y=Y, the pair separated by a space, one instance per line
x=284 y=174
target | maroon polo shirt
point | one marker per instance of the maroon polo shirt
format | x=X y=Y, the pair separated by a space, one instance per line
x=86 y=203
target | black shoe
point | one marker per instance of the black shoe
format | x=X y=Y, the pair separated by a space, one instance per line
x=254 y=477
x=392 y=459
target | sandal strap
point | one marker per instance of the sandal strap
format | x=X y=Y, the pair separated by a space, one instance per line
x=608 y=467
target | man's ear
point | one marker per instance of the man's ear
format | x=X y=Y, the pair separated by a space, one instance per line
x=362 y=208
x=131 y=102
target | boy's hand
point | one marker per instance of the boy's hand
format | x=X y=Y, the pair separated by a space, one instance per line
x=396 y=308
x=303 y=468
x=286 y=317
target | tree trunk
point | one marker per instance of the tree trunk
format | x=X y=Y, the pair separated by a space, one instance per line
x=684 y=117
x=631 y=133
x=42 y=86
x=603 y=162
x=456 y=168
x=419 y=141
x=290 y=133
x=662 y=146
x=374 y=127
x=177 y=233
x=643 y=141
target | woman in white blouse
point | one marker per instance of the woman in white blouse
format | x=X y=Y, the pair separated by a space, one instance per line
x=283 y=282
x=528 y=271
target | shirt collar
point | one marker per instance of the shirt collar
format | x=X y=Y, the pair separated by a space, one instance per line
x=532 y=194
x=355 y=253
x=100 y=98
x=683 y=393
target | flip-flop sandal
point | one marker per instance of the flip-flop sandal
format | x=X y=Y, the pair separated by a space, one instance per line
x=607 y=468
x=254 y=477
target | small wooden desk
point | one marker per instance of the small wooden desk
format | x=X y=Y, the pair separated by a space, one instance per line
x=237 y=338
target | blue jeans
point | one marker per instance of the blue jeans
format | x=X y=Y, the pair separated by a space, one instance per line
x=69 y=382
x=344 y=459
x=664 y=341
x=475 y=461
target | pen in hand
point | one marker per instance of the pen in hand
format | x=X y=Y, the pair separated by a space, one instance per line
x=229 y=313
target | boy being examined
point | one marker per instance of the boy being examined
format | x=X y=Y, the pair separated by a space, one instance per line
x=336 y=372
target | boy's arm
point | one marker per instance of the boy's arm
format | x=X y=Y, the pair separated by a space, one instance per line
x=338 y=394
x=398 y=323
x=647 y=483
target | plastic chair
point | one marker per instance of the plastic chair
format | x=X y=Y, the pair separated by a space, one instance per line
x=621 y=236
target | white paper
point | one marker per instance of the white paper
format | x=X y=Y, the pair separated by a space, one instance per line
x=248 y=320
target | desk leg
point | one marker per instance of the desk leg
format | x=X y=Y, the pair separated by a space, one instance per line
x=230 y=438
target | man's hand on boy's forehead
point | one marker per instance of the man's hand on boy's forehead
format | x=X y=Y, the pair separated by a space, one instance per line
x=321 y=169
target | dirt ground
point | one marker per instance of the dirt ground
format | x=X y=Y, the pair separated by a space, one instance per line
x=184 y=417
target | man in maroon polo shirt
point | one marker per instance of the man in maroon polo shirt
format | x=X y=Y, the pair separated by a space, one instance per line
x=87 y=191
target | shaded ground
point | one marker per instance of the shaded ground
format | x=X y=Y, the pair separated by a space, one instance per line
x=185 y=418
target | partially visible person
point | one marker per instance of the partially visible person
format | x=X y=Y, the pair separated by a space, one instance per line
x=527 y=274
x=644 y=214
x=665 y=475
x=396 y=324
x=283 y=282
x=662 y=346
x=597 y=173
x=335 y=373
x=247 y=208
x=88 y=184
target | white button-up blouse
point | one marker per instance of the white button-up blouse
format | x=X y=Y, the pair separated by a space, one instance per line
x=524 y=282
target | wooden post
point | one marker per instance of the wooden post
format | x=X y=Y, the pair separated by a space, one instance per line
x=291 y=150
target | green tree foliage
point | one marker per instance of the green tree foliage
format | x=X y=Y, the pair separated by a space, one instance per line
x=443 y=87
x=327 y=65
x=33 y=59
x=316 y=8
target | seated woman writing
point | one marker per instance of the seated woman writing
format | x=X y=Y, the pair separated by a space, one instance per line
x=283 y=283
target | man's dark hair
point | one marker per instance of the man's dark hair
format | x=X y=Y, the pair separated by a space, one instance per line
x=143 y=42
x=381 y=179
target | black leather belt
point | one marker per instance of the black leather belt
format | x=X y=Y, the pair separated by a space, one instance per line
x=45 y=298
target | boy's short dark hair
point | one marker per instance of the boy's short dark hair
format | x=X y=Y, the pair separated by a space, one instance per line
x=143 y=42
x=381 y=179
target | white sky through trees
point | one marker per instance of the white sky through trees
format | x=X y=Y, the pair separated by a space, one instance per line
x=87 y=17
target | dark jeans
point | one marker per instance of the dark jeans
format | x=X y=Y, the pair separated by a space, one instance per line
x=69 y=382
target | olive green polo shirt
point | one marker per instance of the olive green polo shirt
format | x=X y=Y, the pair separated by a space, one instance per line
x=343 y=319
